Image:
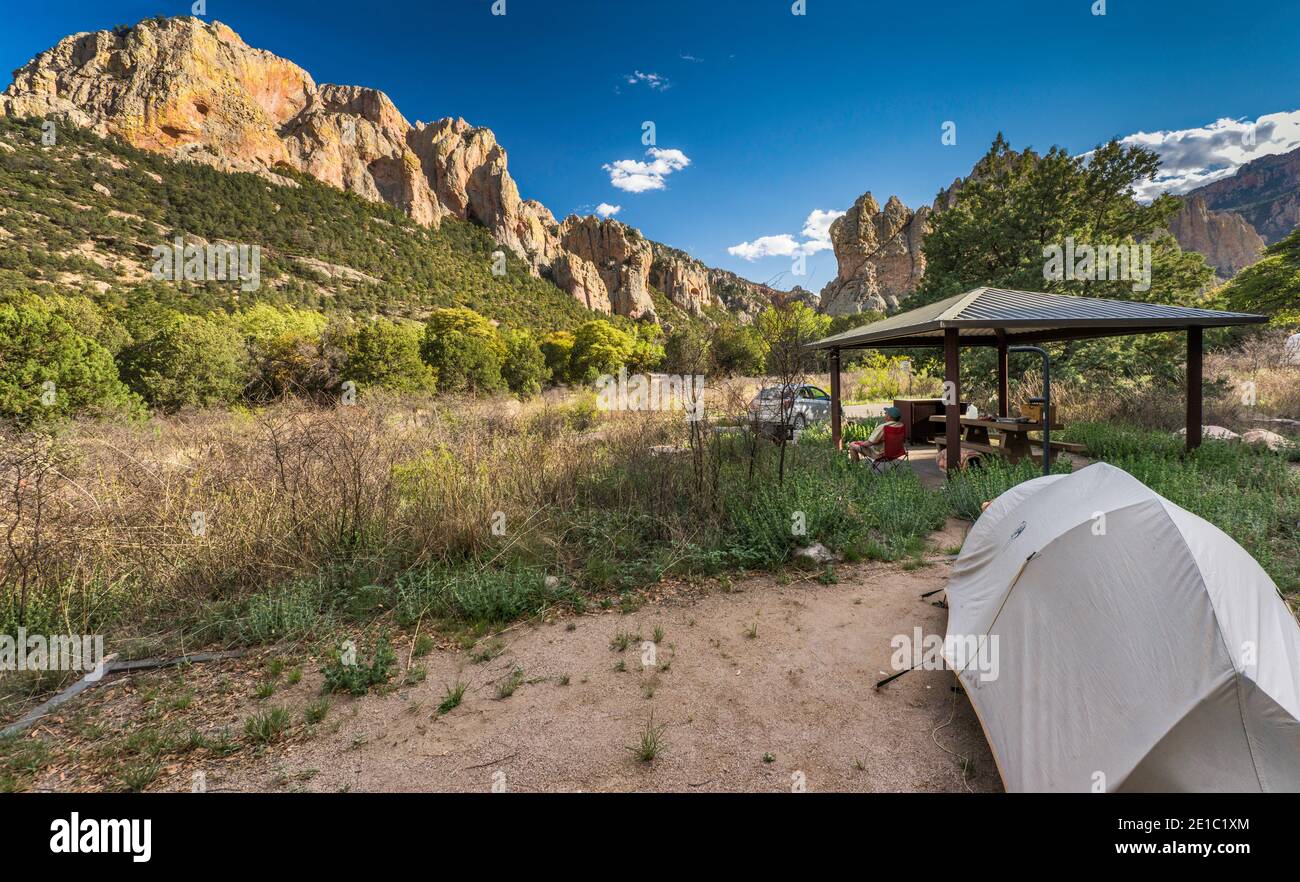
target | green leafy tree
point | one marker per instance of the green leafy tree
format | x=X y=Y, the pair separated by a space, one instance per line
x=48 y=370
x=1272 y=286
x=1017 y=205
x=688 y=346
x=598 y=348
x=288 y=352
x=181 y=360
x=1006 y=222
x=387 y=354
x=647 y=347
x=90 y=319
x=556 y=348
x=786 y=332
x=464 y=349
x=524 y=368
x=738 y=350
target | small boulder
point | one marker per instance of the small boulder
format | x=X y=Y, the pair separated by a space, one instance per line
x=1218 y=433
x=1271 y=440
x=816 y=553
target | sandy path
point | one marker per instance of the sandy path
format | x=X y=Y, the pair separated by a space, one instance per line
x=800 y=690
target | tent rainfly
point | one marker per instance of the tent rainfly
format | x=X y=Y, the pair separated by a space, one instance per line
x=1137 y=647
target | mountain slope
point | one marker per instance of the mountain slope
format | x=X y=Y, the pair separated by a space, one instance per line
x=85 y=213
x=1265 y=191
x=194 y=90
x=1226 y=239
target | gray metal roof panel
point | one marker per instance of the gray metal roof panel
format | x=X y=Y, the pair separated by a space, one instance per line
x=983 y=310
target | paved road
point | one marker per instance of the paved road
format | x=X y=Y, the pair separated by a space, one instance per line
x=865 y=410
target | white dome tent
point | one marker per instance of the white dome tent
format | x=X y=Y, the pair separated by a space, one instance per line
x=1139 y=648
x=1292 y=349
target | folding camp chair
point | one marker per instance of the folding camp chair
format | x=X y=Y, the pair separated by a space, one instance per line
x=895 y=449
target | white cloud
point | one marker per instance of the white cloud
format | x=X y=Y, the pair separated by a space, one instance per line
x=816 y=237
x=604 y=209
x=635 y=176
x=655 y=81
x=817 y=229
x=1190 y=158
x=782 y=245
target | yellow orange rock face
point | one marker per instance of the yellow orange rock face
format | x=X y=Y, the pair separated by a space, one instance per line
x=195 y=90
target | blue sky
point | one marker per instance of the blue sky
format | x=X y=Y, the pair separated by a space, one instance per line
x=779 y=115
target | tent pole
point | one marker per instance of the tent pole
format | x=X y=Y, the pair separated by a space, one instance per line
x=952 y=398
x=1195 y=400
x=836 y=437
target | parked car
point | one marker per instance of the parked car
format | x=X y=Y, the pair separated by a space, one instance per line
x=801 y=405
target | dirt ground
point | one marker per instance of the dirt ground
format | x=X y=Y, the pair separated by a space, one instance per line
x=793 y=703
x=762 y=684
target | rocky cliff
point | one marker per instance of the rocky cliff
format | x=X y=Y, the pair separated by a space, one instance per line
x=693 y=286
x=879 y=255
x=195 y=90
x=1265 y=191
x=1228 y=242
x=614 y=261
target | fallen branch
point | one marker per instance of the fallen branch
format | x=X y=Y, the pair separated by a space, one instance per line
x=494 y=762
x=110 y=665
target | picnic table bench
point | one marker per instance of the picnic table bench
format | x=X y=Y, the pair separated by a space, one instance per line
x=1015 y=443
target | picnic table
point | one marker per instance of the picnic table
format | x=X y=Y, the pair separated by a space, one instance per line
x=1015 y=443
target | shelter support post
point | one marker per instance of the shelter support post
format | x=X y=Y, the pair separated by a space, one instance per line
x=952 y=397
x=1003 y=402
x=835 y=399
x=1195 y=339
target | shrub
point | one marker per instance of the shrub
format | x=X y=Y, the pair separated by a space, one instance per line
x=39 y=347
x=180 y=360
x=524 y=368
x=464 y=349
x=387 y=354
x=357 y=678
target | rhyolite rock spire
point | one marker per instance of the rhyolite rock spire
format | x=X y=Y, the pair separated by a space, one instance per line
x=878 y=252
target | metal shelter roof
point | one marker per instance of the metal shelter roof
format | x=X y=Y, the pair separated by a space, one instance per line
x=1027 y=316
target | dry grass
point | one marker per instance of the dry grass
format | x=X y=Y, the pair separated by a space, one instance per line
x=109 y=524
x=1243 y=385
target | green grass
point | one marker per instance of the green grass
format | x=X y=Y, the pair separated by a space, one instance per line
x=20 y=760
x=651 y=742
x=267 y=726
x=507 y=685
x=451 y=700
x=478 y=595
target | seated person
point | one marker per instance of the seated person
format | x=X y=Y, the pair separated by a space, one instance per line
x=859 y=450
